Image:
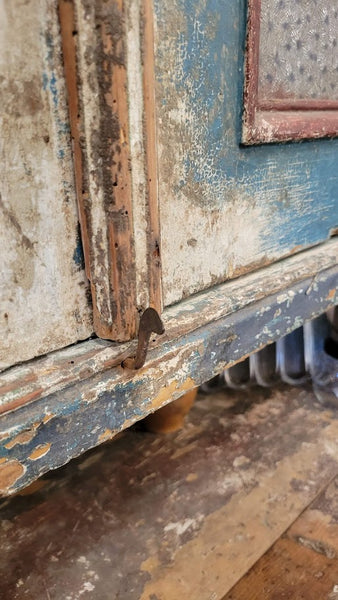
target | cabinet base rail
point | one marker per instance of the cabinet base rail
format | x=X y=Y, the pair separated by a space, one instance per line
x=57 y=407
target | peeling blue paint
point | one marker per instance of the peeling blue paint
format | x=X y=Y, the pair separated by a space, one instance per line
x=76 y=424
x=53 y=89
x=294 y=184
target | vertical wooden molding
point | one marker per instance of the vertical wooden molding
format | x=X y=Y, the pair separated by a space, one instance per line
x=96 y=76
x=251 y=66
x=154 y=254
x=68 y=37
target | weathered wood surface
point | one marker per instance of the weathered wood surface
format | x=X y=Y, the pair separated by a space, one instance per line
x=50 y=374
x=43 y=289
x=84 y=400
x=225 y=209
x=151 y=147
x=180 y=516
x=303 y=563
x=106 y=204
x=113 y=127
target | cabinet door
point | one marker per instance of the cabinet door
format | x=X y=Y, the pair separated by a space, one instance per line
x=43 y=289
x=227 y=208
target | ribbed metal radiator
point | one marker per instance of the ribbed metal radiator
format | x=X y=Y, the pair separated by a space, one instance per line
x=294 y=359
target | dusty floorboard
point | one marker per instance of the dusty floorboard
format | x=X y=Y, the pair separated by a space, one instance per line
x=303 y=563
x=148 y=517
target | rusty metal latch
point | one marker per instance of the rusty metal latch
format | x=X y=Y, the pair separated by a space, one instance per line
x=150 y=322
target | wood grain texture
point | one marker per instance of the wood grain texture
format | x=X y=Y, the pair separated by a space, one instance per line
x=115 y=157
x=104 y=166
x=96 y=399
x=154 y=241
x=43 y=289
x=303 y=563
x=177 y=516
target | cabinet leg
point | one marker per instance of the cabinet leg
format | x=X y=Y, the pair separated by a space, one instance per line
x=171 y=417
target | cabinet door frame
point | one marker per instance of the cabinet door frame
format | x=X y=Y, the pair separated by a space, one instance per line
x=114 y=147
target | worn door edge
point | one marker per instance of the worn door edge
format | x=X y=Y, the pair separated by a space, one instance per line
x=96 y=72
x=31 y=381
x=109 y=71
x=154 y=243
x=63 y=424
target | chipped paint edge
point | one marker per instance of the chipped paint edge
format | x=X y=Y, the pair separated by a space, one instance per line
x=93 y=410
x=32 y=381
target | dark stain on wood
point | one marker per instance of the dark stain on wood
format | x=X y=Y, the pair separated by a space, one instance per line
x=109 y=251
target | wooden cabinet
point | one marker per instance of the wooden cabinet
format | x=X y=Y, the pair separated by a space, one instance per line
x=157 y=128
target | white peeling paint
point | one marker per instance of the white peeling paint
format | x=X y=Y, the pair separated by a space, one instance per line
x=43 y=294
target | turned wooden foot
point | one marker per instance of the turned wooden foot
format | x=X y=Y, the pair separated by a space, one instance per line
x=171 y=417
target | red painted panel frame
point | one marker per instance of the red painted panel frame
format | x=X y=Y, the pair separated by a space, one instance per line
x=279 y=120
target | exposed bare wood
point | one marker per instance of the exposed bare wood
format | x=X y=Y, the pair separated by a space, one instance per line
x=154 y=258
x=103 y=172
x=303 y=563
x=171 y=417
x=251 y=65
x=226 y=209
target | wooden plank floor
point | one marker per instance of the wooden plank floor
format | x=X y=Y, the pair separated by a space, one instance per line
x=303 y=563
x=221 y=507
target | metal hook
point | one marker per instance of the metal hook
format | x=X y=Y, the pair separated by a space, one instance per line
x=150 y=322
